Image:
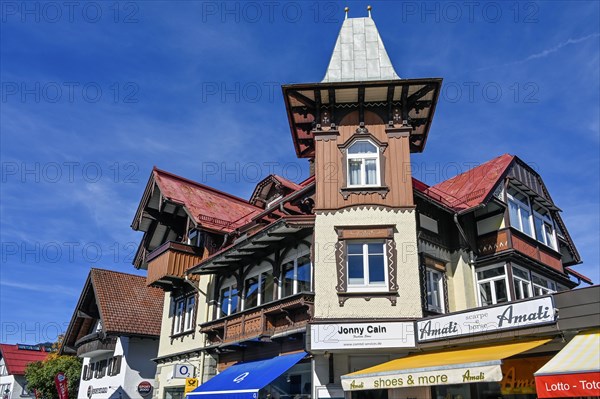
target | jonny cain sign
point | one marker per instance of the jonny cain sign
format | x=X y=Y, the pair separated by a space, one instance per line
x=512 y=315
x=362 y=335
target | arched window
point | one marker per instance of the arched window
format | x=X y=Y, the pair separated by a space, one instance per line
x=363 y=164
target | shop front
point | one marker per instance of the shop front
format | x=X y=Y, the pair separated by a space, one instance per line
x=574 y=371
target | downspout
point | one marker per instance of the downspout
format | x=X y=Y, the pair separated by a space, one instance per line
x=200 y=372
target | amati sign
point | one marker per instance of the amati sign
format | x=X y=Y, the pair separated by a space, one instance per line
x=503 y=317
x=404 y=379
x=362 y=335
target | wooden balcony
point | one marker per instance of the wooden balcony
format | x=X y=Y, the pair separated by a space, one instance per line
x=168 y=263
x=95 y=344
x=262 y=323
x=509 y=239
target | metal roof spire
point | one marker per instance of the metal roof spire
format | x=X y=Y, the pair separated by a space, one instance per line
x=359 y=53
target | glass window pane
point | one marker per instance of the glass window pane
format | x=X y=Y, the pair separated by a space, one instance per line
x=362 y=147
x=549 y=235
x=501 y=292
x=485 y=292
x=525 y=215
x=354 y=171
x=288 y=279
x=304 y=274
x=234 y=299
x=520 y=273
x=375 y=248
x=371 y=171
x=355 y=249
x=356 y=273
x=519 y=289
x=539 y=229
x=376 y=269
x=513 y=211
x=267 y=287
x=251 y=288
x=489 y=273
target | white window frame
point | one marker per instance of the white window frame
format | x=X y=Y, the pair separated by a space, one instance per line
x=429 y=284
x=520 y=205
x=257 y=273
x=366 y=286
x=189 y=313
x=230 y=285
x=363 y=157
x=490 y=280
x=539 y=290
x=178 y=313
x=545 y=219
x=294 y=258
x=524 y=284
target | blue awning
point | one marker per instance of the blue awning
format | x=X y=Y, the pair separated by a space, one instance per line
x=244 y=380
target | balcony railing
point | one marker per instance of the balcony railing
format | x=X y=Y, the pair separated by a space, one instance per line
x=262 y=322
x=95 y=344
x=509 y=239
x=168 y=263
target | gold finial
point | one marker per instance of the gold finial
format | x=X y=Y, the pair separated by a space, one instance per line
x=369 y=10
x=346 y=9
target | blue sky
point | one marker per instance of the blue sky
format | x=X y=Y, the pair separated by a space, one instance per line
x=93 y=95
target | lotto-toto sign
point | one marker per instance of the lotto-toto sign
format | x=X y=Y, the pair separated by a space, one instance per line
x=62 y=386
x=144 y=388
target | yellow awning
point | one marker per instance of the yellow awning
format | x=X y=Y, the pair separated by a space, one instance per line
x=456 y=366
x=581 y=355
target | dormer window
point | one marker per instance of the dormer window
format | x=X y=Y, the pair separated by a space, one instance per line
x=363 y=164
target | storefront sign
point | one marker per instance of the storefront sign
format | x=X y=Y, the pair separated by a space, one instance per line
x=144 y=388
x=183 y=371
x=462 y=375
x=518 y=376
x=517 y=314
x=568 y=385
x=95 y=391
x=362 y=335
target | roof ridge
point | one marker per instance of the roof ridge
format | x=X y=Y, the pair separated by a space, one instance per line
x=203 y=186
x=92 y=269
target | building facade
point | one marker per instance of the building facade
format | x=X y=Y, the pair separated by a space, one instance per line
x=317 y=286
x=13 y=362
x=115 y=330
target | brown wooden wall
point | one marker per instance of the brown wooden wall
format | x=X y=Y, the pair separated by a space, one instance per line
x=172 y=263
x=330 y=171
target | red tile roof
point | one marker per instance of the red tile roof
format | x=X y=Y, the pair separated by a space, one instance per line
x=209 y=207
x=126 y=304
x=16 y=359
x=471 y=188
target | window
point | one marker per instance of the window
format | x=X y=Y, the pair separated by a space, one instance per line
x=366 y=266
x=114 y=365
x=195 y=238
x=544 y=227
x=228 y=300
x=363 y=164
x=296 y=276
x=541 y=285
x=522 y=283
x=435 y=289
x=492 y=285
x=258 y=289
x=184 y=317
x=519 y=211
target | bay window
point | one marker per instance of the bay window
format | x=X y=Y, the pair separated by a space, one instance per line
x=492 y=285
x=367 y=266
x=519 y=211
x=522 y=283
x=541 y=285
x=363 y=164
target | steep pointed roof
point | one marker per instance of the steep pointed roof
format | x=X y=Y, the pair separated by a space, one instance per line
x=359 y=54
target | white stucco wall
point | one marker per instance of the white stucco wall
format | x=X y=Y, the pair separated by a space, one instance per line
x=326 y=298
x=136 y=367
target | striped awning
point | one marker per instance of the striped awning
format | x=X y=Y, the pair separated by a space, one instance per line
x=574 y=371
